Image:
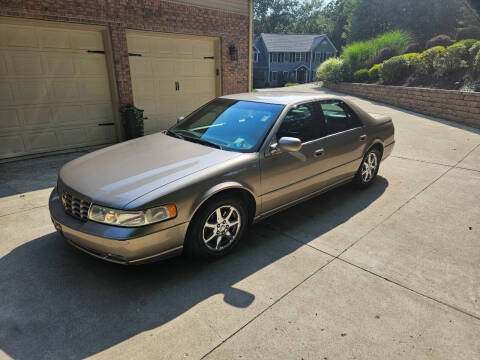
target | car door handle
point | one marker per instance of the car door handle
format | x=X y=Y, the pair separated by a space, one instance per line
x=363 y=137
x=318 y=152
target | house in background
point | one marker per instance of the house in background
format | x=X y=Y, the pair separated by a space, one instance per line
x=280 y=58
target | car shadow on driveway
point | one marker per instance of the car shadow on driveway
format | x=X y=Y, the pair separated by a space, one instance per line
x=56 y=302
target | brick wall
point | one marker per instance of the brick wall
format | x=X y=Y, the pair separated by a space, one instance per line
x=150 y=15
x=461 y=107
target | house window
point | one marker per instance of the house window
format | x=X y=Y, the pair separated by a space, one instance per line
x=273 y=57
x=292 y=57
x=280 y=57
x=285 y=75
x=299 y=56
x=274 y=76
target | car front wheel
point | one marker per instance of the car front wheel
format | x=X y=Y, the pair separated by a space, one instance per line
x=217 y=228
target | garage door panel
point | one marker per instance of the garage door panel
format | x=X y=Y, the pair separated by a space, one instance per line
x=93 y=88
x=140 y=67
x=60 y=64
x=204 y=68
x=52 y=92
x=76 y=136
x=86 y=40
x=41 y=141
x=11 y=145
x=166 y=105
x=204 y=48
x=162 y=46
x=163 y=67
x=28 y=92
x=184 y=47
x=138 y=44
x=3 y=64
x=148 y=105
x=90 y=65
x=9 y=120
x=66 y=114
x=35 y=117
x=54 y=39
x=165 y=87
x=6 y=93
x=22 y=36
x=26 y=64
x=184 y=68
x=98 y=112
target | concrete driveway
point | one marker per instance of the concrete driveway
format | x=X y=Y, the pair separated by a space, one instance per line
x=392 y=272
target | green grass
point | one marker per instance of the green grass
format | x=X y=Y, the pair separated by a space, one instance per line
x=290 y=84
x=363 y=53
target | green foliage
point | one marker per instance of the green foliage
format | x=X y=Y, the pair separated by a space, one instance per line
x=394 y=70
x=424 y=19
x=385 y=54
x=290 y=84
x=360 y=75
x=413 y=59
x=374 y=72
x=451 y=59
x=413 y=48
x=476 y=62
x=473 y=51
x=468 y=33
x=332 y=69
x=467 y=42
x=364 y=52
x=425 y=63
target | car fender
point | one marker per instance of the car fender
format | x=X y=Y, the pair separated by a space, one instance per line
x=371 y=143
x=205 y=196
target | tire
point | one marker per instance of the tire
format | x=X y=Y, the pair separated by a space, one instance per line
x=211 y=237
x=368 y=170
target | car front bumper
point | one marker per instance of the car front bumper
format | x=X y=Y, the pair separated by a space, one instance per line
x=118 y=244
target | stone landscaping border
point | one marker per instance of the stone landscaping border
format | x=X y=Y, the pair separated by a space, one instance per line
x=458 y=106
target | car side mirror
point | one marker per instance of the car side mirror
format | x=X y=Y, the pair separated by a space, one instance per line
x=180 y=119
x=289 y=144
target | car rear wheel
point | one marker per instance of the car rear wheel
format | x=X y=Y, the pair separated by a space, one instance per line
x=368 y=170
x=217 y=228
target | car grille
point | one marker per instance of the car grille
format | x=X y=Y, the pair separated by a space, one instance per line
x=75 y=206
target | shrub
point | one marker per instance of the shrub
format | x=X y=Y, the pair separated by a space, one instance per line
x=365 y=52
x=472 y=32
x=394 y=70
x=373 y=73
x=290 y=84
x=426 y=58
x=473 y=51
x=413 y=60
x=439 y=40
x=451 y=60
x=331 y=70
x=385 y=54
x=413 y=48
x=361 y=75
x=476 y=62
x=467 y=42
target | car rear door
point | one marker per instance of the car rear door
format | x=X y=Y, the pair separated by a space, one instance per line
x=344 y=140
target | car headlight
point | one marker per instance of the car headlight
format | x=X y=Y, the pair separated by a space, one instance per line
x=117 y=217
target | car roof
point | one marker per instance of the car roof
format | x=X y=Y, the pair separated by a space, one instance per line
x=279 y=97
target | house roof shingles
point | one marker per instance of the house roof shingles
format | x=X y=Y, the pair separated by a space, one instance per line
x=290 y=43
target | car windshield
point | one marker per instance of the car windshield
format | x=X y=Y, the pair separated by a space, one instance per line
x=229 y=124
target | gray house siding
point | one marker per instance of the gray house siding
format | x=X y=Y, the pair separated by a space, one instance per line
x=298 y=65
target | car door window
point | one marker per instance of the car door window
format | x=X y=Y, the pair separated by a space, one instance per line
x=301 y=122
x=338 y=117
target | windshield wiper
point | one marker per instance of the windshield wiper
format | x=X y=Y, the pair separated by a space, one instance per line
x=203 y=142
x=174 y=134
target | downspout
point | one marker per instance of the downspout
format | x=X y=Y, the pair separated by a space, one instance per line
x=250 y=45
x=310 y=70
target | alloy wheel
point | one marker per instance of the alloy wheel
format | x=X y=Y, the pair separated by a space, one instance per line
x=221 y=228
x=369 y=167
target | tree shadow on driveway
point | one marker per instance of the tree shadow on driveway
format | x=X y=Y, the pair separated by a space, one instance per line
x=56 y=302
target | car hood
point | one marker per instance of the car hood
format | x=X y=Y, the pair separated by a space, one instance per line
x=119 y=174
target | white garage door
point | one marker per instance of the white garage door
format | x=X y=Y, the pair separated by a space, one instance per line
x=54 y=90
x=171 y=75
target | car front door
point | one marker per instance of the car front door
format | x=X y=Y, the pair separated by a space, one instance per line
x=290 y=176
